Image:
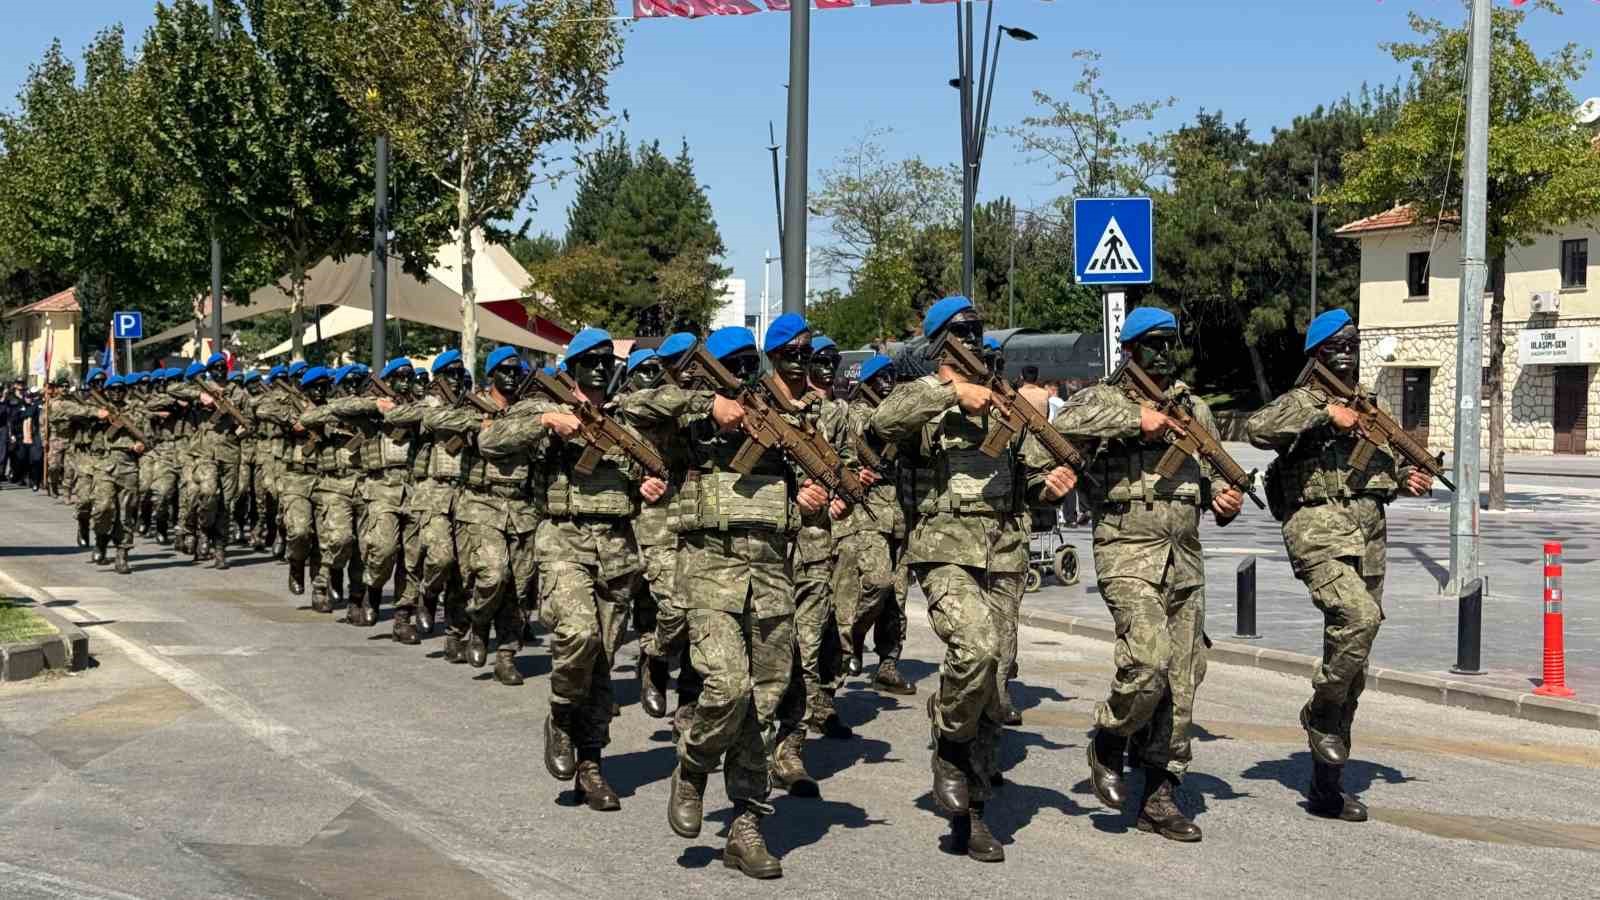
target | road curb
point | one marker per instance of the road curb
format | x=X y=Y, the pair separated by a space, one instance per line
x=1428 y=688
x=65 y=651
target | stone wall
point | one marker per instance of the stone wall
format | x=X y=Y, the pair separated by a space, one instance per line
x=1529 y=391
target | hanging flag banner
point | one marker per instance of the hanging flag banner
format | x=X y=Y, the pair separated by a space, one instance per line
x=696 y=9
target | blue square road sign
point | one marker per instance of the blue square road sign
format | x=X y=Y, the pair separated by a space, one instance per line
x=1113 y=240
x=127 y=326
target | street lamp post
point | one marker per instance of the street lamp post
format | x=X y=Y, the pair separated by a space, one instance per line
x=976 y=101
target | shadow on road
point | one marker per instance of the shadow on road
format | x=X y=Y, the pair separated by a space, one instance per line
x=1294 y=773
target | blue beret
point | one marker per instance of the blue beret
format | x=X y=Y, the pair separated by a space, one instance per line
x=676 y=345
x=94 y=372
x=823 y=342
x=359 y=369
x=194 y=371
x=1325 y=326
x=990 y=343
x=444 y=359
x=252 y=377
x=1146 y=319
x=783 y=329
x=139 y=377
x=298 y=367
x=159 y=375
x=277 y=371
x=315 y=374
x=639 y=356
x=941 y=313
x=587 y=340
x=236 y=376
x=874 y=365
x=341 y=373
x=724 y=342
x=395 y=365
x=215 y=358
x=115 y=381
x=500 y=355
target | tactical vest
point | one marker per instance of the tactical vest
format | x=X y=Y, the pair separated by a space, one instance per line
x=720 y=500
x=606 y=491
x=1317 y=470
x=1126 y=472
x=962 y=478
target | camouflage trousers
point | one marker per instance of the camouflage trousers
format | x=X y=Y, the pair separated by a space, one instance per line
x=663 y=622
x=746 y=663
x=430 y=547
x=216 y=490
x=498 y=567
x=962 y=604
x=115 y=507
x=383 y=526
x=266 y=493
x=869 y=592
x=1352 y=609
x=188 y=466
x=89 y=465
x=338 y=510
x=819 y=662
x=1160 y=654
x=584 y=612
x=295 y=489
x=162 y=490
x=55 y=465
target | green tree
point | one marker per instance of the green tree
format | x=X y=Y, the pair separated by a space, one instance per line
x=600 y=175
x=870 y=200
x=475 y=92
x=532 y=251
x=1543 y=173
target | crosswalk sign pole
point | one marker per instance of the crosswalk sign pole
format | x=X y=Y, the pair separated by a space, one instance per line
x=1113 y=305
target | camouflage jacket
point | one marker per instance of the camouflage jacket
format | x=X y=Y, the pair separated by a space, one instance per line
x=1144 y=523
x=512 y=445
x=831 y=418
x=882 y=498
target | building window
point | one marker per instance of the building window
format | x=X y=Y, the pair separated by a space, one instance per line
x=1417 y=274
x=1575 y=263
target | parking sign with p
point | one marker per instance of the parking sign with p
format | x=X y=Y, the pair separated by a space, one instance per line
x=127 y=326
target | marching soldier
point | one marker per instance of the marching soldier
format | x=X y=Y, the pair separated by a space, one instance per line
x=86 y=435
x=116 y=485
x=430 y=537
x=269 y=462
x=387 y=456
x=1335 y=530
x=868 y=590
x=337 y=497
x=969 y=552
x=60 y=437
x=217 y=474
x=1151 y=574
x=297 y=484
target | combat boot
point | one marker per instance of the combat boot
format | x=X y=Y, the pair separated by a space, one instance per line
x=505 y=667
x=1159 y=812
x=181 y=545
x=969 y=835
x=121 y=567
x=369 y=612
x=788 y=768
x=1106 y=752
x=297 y=577
x=320 y=601
x=219 y=555
x=201 y=548
x=1322 y=733
x=824 y=719
x=746 y=850
x=478 y=651
x=336 y=588
x=163 y=527
x=281 y=551
x=84 y=540
x=590 y=786
x=653 y=685
x=853 y=666
x=1327 y=797
x=428 y=614
x=952 y=762
x=686 y=802
x=682 y=718
x=404 y=631
x=455 y=648
x=890 y=681
x=560 y=760
x=99 y=557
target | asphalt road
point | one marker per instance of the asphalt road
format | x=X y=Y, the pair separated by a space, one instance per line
x=229 y=742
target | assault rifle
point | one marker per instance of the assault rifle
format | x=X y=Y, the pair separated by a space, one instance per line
x=600 y=432
x=1194 y=441
x=115 y=418
x=219 y=397
x=312 y=436
x=455 y=398
x=875 y=460
x=766 y=428
x=1014 y=414
x=1373 y=425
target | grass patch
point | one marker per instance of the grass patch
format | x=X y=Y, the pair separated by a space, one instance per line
x=19 y=622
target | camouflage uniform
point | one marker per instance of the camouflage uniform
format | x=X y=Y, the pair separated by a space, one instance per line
x=216 y=477
x=1335 y=531
x=967 y=552
x=430 y=536
x=496 y=514
x=1150 y=569
x=868 y=587
x=81 y=414
x=296 y=479
x=60 y=428
x=116 y=483
x=336 y=500
x=659 y=613
x=386 y=459
x=734 y=580
x=270 y=450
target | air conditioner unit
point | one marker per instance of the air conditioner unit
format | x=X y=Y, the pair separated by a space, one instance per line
x=1546 y=302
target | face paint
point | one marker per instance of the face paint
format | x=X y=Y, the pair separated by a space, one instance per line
x=882 y=383
x=1154 y=353
x=218 y=372
x=318 y=390
x=967 y=328
x=792 y=359
x=592 y=371
x=645 y=375
x=507 y=377
x=745 y=365
x=824 y=367
x=1342 y=354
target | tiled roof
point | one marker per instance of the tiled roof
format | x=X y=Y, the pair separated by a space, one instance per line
x=66 y=301
x=1403 y=216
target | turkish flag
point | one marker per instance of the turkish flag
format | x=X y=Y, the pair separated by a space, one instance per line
x=655 y=9
x=890 y=2
x=735 y=7
x=835 y=4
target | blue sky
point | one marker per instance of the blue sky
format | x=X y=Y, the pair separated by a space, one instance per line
x=717 y=81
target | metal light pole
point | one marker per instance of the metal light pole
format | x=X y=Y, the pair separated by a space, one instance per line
x=777 y=185
x=380 y=255
x=1316 y=235
x=1011 y=275
x=1469 y=335
x=216 y=241
x=794 y=203
x=976 y=101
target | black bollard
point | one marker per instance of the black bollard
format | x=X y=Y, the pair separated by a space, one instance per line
x=1246 y=609
x=1469 y=630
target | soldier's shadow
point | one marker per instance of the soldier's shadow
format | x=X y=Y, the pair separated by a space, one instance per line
x=825 y=759
x=628 y=772
x=1027 y=696
x=1294 y=773
x=797 y=823
x=1195 y=796
x=858 y=698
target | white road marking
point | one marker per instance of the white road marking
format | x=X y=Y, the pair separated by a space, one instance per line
x=57 y=886
x=511 y=876
x=205 y=650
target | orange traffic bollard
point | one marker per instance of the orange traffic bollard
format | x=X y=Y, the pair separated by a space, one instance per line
x=1555 y=650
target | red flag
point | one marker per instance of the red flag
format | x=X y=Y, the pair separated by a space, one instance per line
x=835 y=4
x=652 y=9
x=890 y=2
x=735 y=7
x=778 y=5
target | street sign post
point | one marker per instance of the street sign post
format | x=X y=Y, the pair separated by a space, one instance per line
x=127 y=327
x=1113 y=244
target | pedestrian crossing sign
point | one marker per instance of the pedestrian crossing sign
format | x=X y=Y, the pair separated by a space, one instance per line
x=1113 y=240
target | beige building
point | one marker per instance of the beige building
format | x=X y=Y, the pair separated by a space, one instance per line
x=27 y=332
x=1410 y=294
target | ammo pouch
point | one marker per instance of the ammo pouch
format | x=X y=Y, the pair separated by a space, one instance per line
x=1277 y=502
x=719 y=500
x=604 y=492
x=967 y=481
